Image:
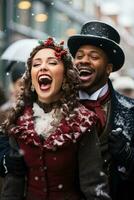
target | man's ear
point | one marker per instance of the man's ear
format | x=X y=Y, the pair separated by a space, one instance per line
x=109 y=68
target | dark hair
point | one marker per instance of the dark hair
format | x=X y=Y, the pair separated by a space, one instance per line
x=69 y=88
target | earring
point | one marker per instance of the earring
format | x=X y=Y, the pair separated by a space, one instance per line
x=32 y=88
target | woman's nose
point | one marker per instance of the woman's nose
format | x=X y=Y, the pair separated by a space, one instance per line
x=43 y=67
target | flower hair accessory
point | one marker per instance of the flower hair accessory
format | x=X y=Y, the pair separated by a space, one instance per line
x=59 y=48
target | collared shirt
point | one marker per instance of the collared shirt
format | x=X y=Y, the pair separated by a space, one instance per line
x=99 y=93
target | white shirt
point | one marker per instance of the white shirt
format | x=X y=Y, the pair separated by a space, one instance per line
x=99 y=93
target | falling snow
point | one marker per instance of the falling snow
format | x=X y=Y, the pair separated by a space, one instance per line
x=125 y=103
x=52 y=3
x=122 y=114
x=99 y=191
x=122 y=169
x=60 y=186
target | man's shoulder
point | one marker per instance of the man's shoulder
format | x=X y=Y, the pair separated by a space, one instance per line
x=119 y=98
x=125 y=101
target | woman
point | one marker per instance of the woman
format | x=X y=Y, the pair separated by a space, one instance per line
x=49 y=125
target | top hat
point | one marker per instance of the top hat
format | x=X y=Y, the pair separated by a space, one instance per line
x=100 y=35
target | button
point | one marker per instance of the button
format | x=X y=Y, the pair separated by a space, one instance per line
x=60 y=186
x=36 y=178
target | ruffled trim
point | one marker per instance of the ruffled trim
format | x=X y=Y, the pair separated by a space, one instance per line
x=69 y=129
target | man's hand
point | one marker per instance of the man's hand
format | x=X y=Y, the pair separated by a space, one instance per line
x=119 y=147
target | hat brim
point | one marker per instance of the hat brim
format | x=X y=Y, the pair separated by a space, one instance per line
x=112 y=49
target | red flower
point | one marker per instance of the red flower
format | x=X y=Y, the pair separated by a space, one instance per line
x=60 y=54
x=58 y=49
x=49 y=42
x=62 y=42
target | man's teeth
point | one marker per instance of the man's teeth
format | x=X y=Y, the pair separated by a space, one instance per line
x=84 y=72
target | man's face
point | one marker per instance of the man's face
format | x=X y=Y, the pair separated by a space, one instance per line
x=93 y=67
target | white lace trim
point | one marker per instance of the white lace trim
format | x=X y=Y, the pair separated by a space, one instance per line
x=45 y=123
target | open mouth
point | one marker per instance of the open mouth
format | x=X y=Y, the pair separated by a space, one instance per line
x=84 y=72
x=45 y=81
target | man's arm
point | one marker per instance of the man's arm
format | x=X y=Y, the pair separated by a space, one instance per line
x=93 y=180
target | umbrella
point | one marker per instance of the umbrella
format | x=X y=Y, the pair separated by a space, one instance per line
x=19 y=50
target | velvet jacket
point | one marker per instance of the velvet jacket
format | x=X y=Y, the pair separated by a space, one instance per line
x=121 y=114
x=56 y=165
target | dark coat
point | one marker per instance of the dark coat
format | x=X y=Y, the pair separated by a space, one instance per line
x=120 y=114
x=90 y=168
x=4 y=149
x=12 y=186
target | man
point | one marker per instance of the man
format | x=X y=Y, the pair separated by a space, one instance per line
x=96 y=54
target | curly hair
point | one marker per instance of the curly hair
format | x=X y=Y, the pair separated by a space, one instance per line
x=70 y=86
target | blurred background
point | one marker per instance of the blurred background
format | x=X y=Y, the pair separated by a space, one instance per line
x=37 y=19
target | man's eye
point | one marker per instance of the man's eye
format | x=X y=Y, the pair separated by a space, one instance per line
x=79 y=56
x=95 y=57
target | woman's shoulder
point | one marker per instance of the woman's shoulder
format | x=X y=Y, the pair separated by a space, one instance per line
x=82 y=110
x=84 y=118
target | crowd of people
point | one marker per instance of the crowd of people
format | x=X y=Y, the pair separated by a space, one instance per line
x=70 y=134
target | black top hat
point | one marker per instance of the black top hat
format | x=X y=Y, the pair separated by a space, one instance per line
x=101 y=35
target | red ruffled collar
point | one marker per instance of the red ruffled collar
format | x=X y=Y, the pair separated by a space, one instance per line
x=69 y=130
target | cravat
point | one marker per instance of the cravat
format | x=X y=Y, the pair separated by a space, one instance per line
x=97 y=107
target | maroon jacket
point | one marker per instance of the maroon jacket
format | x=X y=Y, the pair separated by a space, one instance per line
x=52 y=163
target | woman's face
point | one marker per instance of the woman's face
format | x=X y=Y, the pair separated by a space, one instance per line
x=47 y=75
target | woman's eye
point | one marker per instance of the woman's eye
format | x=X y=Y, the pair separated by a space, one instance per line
x=53 y=63
x=36 y=65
